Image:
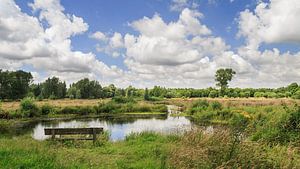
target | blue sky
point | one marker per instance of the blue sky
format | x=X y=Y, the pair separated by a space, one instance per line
x=200 y=37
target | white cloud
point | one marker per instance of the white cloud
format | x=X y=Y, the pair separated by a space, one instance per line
x=99 y=36
x=273 y=22
x=24 y=41
x=179 y=5
x=110 y=45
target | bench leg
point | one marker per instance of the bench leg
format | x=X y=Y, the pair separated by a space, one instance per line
x=53 y=134
x=94 y=135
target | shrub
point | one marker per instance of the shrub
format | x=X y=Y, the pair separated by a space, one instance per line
x=47 y=109
x=281 y=129
x=120 y=99
x=213 y=94
x=69 y=110
x=215 y=105
x=296 y=95
x=28 y=108
x=52 y=97
x=198 y=106
x=110 y=107
x=86 y=110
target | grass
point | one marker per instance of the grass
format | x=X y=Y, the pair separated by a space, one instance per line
x=145 y=150
x=150 y=151
x=29 y=108
x=259 y=133
x=7 y=106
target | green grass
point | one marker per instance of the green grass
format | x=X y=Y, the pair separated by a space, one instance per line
x=145 y=150
x=270 y=139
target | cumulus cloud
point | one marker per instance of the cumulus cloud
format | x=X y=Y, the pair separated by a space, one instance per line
x=110 y=45
x=98 y=36
x=274 y=22
x=26 y=41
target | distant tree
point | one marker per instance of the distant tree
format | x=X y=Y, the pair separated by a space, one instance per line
x=88 y=89
x=72 y=91
x=293 y=87
x=222 y=77
x=146 y=95
x=14 y=84
x=53 y=88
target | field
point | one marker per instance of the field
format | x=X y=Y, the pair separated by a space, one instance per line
x=92 y=102
x=57 y=103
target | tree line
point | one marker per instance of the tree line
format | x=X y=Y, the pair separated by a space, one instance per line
x=16 y=85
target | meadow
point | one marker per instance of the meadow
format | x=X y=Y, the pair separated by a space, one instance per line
x=254 y=133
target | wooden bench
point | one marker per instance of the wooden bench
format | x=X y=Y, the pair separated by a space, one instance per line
x=74 y=131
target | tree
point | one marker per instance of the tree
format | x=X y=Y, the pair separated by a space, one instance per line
x=88 y=89
x=222 y=77
x=54 y=87
x=146 y=94
x=14 y=84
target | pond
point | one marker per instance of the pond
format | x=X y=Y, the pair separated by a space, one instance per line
x=118 y=127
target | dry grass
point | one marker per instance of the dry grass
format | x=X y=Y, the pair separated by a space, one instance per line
x=240 y=101
x=57 y=103
x=225 y=101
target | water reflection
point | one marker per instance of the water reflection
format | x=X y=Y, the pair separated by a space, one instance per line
x=119 y=130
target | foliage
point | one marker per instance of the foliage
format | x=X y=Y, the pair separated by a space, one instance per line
x=14 y=84
x=282 y=128
x=146 y=95
x=86 y=89
x=47 y=109
x=17 y=85
x=221 y=150
x=53 y=88
x=28 y=108
x=222 y=77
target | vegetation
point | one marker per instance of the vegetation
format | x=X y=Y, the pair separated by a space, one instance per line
x=17 y=85
x=222 y=77
x=247 y=132
x=28 y=108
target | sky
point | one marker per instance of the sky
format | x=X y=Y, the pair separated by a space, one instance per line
x=171 y=43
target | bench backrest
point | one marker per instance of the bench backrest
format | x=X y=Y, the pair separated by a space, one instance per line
x=72 y=131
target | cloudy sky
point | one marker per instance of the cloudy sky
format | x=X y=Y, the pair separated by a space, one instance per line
x=172 y=43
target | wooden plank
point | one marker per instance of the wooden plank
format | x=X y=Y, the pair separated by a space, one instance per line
x=72 y=131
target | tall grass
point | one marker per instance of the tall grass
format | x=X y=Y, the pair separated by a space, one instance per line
x=220 y=150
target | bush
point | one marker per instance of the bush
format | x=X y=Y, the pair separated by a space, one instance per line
x=281 y=129
x=28 y=108
x=296 y=95
x=213 y=94
x=47 y=109
x=69 y=110
x=215 y=105
x=120 y=99
x=110 y=107
x=198 y=106
x=86 y=110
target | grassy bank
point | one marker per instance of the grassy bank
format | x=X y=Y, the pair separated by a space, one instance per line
x=29 y=108
x=149 y=150
x=146 y=150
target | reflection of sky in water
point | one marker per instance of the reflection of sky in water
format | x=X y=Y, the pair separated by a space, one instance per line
x=117 y=130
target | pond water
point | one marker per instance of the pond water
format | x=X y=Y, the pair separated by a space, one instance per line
x=118 y=127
